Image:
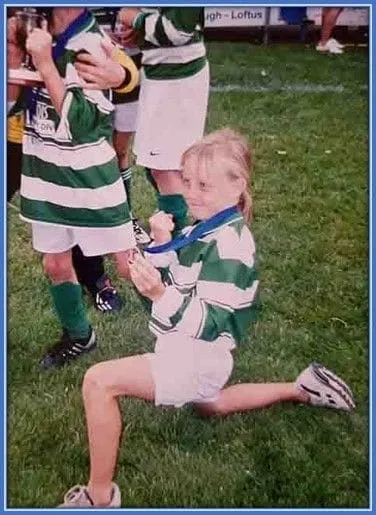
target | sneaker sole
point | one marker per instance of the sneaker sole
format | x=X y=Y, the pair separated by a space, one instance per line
x=334 y=383
x=326 y=51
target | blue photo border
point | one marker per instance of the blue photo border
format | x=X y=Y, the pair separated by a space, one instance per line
x=3 y=239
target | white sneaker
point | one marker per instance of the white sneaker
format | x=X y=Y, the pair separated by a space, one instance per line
x=78 y=497
x=336 y=42
x=324 y=388
x=330 y=47
x=140 y=234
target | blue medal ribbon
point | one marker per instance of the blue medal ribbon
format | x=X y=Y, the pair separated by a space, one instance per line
x=62 y=39
x=200 y=230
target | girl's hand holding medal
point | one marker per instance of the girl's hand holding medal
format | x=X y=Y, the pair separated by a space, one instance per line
x=146 y=278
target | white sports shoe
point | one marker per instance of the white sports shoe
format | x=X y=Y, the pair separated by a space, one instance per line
x=336 y=42
x=78 y=497
x=324 y=388
x=330 y=46
x=142 y=237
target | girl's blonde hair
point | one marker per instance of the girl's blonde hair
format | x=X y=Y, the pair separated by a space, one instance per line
x=230 y=152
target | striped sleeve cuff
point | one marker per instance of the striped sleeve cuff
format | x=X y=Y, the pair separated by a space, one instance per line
x=165 y=307
x=162 y=260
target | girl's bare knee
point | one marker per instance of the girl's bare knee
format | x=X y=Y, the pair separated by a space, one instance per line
x=94 y=380
x=121 y=262
x=130 y=377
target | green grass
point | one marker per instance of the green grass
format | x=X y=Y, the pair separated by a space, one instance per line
x=310 y=226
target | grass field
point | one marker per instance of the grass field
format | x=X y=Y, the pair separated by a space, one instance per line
x=310 y=225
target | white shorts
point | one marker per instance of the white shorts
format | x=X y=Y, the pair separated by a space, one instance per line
x=53 y=239
x=125 y=117
x=187 y=370
x=171 y=117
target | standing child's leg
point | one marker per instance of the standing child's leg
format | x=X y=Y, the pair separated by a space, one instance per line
x=141 y=235
x=103 y=383
x=125 y=125
x=78 y=337
x=88 y=269
x=67 y=294
x=329 y=20
x=121 y=142
x=91 y=274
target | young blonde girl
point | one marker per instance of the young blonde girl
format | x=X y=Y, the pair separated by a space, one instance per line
x=200 y=311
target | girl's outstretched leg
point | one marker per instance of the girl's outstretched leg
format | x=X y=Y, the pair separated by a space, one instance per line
x=249 y=396
x=316 y=385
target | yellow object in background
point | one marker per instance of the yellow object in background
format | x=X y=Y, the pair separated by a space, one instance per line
x=127 y=63
x=15 y=128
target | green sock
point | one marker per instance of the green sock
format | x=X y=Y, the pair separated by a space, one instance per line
x=173 y=204
x=126 y=175
x=69 y=305
x=177 y=207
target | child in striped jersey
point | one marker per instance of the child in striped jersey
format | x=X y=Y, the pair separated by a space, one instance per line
x=173 y=96
x=200 y=312
x=71 y=189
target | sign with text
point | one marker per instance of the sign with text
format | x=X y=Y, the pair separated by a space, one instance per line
x=234 y=16
x=217 y=17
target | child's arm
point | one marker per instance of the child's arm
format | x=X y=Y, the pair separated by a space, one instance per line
x=81 y=110
x=175 y=24
x=39 y=45
x=15 y=56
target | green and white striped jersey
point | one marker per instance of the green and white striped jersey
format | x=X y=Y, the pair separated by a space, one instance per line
x=212 y=286
x=172 y=41
x=70 y=173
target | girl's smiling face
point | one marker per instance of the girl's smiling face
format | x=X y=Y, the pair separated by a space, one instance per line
x=208 y=191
